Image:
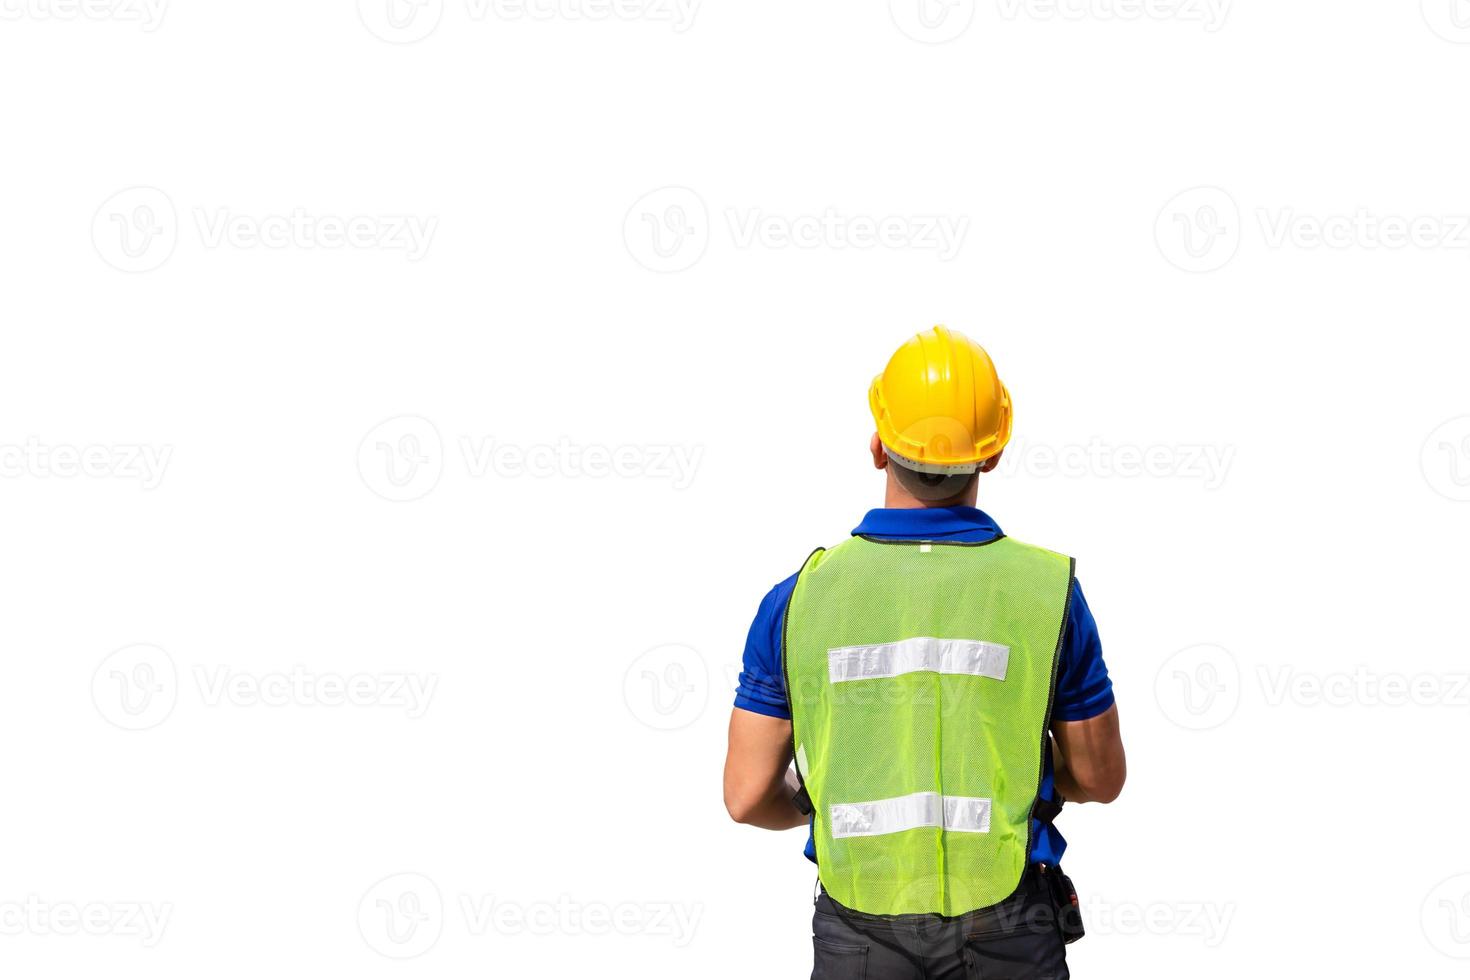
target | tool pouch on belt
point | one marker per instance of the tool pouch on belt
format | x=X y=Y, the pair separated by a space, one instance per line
x=1064 y=900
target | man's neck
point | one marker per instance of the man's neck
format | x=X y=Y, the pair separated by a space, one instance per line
x=897 y=498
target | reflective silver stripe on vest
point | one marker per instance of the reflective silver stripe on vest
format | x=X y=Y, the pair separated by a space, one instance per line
x=966 y=814
x=975 y=657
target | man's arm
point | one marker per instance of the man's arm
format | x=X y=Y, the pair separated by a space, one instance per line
x=1088 y=756
x=756 y=791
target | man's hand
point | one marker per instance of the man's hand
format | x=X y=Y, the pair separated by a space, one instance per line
x=755 y=772
x=1088 y=758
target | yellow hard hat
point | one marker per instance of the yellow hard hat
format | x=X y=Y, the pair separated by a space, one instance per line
x=939 y=405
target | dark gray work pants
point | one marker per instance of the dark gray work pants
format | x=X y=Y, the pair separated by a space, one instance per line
x=1019 y=939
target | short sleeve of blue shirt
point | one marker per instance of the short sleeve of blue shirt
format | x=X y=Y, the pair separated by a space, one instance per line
x=1084 y=689
x=762 y=687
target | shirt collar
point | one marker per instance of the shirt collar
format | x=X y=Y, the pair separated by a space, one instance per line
x=969 y=523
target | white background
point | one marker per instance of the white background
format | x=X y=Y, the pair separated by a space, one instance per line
x=1139 y=190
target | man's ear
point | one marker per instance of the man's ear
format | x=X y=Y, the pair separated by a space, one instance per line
x=880 y=458
x=992 y=462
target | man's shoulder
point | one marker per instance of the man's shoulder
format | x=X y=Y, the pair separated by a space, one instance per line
x=781 y=591
x=1037 y=548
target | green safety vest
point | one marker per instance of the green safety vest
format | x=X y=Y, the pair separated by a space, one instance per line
x=920 y=675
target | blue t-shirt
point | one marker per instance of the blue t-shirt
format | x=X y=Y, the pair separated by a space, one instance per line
x=1083 y=688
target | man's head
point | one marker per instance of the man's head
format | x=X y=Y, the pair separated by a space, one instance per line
x=943 y=417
